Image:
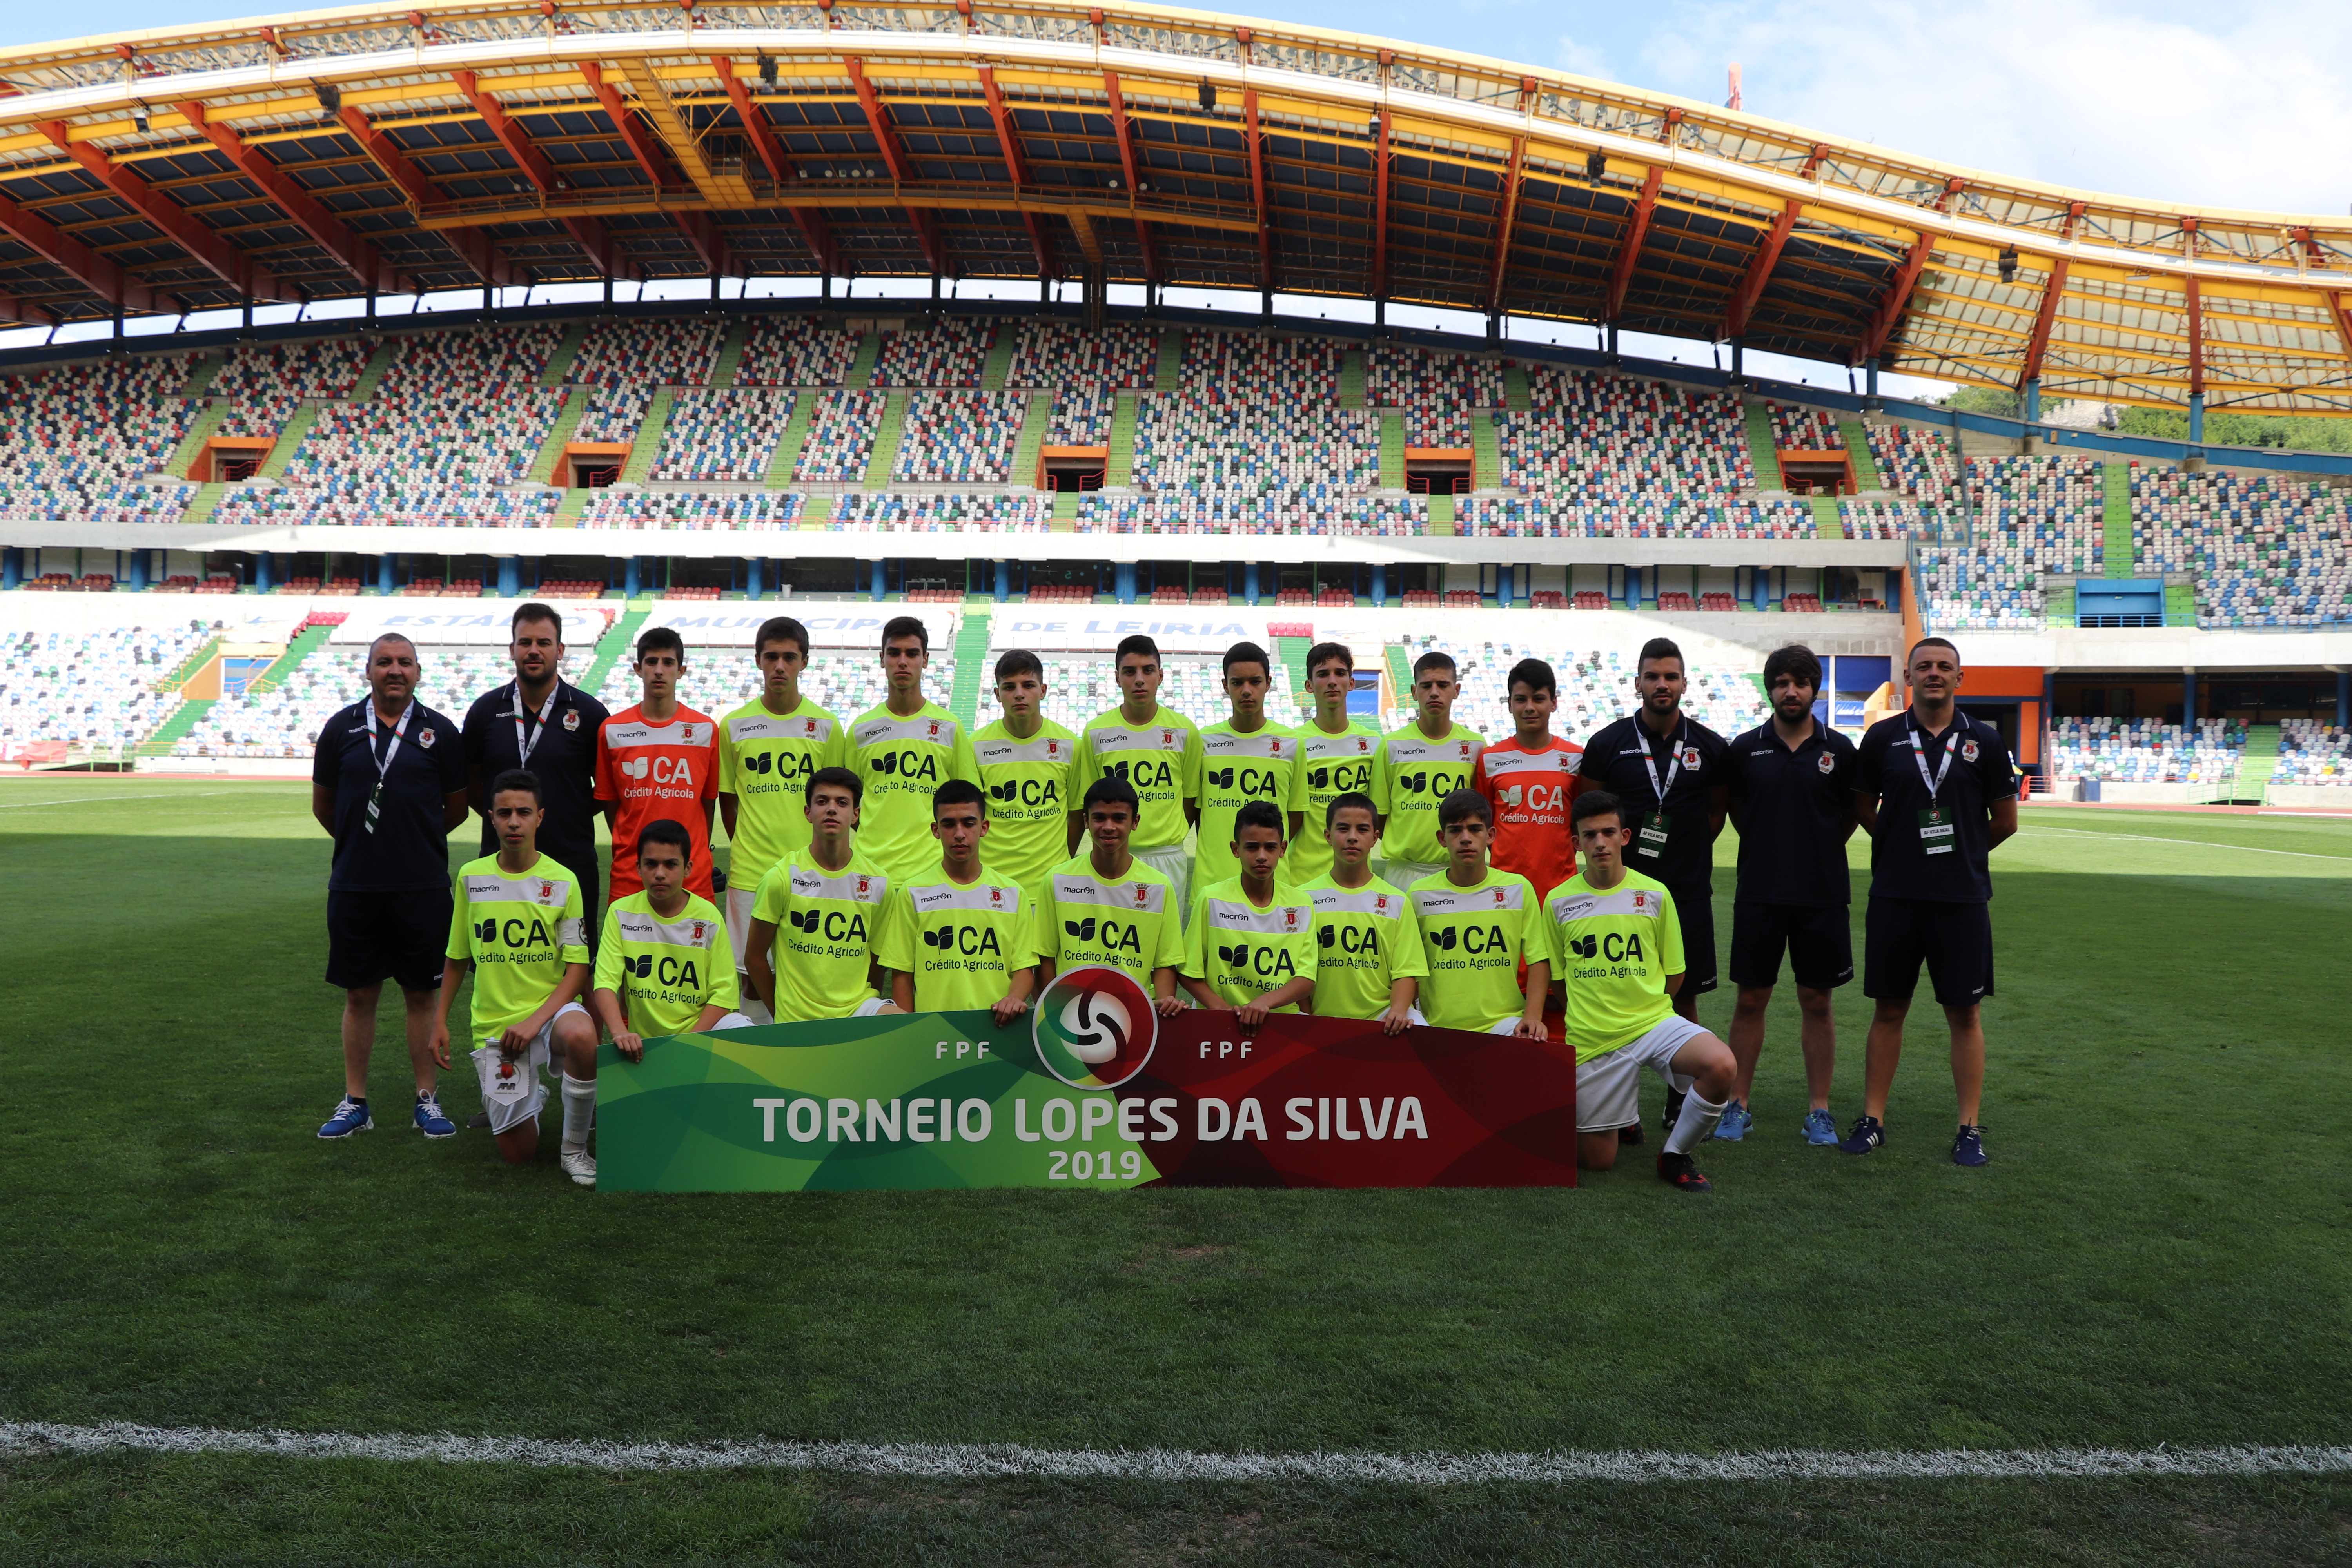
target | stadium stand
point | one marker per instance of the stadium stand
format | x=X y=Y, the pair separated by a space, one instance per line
x=1609 y=437
x=1204 y=449
x=2146 y=750
x=849 y=681
x=263 y=385
x=2266 y=551
x=1798 y=430
x=1657 y=515
x=80 y=443
x=64 y=689
x=647 y=352
x=613 y=413
x=1596 y=684
x=795 y=351
x=1061 y=354
x=1299 y=512
x=724 y=435
x=883 y=509
x=950 y=352
x=841 y=437
x=2311 y=752
x=1435 y=392
x=1912 y=460
x=959 y=438
x=719 y=510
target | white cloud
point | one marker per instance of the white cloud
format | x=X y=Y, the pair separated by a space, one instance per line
x=1582 y=59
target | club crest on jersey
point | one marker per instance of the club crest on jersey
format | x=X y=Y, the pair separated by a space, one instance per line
x=935 y=728
x=572 y=718
x=1827 y=763
x=1645 y=902
x=996 y=898
x=1465 y=751
x=1362 y=745
x=1290 y=919
x=696 y=939
x=425 y=737
x=1142 y=895
x=1967 y=751
x=809 y=726
x=1273 y=747
x=1052 y=748
x=547 y=892
x=1167 y=737
x=1379 y=903
x=1498 y=895
x=863 y=884
x=1690 y=756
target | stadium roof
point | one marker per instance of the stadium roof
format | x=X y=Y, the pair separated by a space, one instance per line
x=459 y=144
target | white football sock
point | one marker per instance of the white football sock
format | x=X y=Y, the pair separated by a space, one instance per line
x=579 y=1111
x=1697 y=1119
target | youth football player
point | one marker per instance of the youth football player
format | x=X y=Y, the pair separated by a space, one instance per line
x=1157 y=751
x=1244 y=757
x=1251 y=943
x=1109 y=906
x=818 y=914
x=1369 y=962
x=1418 y=766
x=1336 y=758
x=517 y=923
x=658 y=758
x=1477 y=926
x=1933 y=789
x=1026 y=763
x=960 y=936
x=1527 y=777
x=663 y=966
x=767 y=750
x=1617 y=949
x=903 y=750
x=1791 y=784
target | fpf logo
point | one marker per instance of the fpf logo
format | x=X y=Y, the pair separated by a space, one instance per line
x=1094 y=1027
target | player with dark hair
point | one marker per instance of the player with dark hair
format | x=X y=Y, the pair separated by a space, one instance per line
x=664 y=965
x=1792 y=786
x=1244 y=757
x=1335 y=758
x=1418 y=766
x=1368 y=961
x=1934 y=790
x=1527 y=777
x=1479 y=925
x=819 y=913
x=658 y=758
x=959 y=938
x=1111 y=906
x=1026 y=764
x=903 y=750
x=1158 y=752
x=767 y=749
x=1617 y=950
x=1250 y=945
x=540 y=721
x=1666 y=770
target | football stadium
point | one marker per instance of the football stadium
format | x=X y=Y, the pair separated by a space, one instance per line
x=1391 y=586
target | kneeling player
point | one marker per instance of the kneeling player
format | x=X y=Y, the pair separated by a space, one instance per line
x=1368 y=953
x=518 y=923
x=818 y=913
x=977 y=947
x=663 y=966
x=1477 y=925
x=1251 y=943
x=1617 y=946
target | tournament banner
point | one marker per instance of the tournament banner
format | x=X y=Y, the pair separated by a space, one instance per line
x=1091 y=1087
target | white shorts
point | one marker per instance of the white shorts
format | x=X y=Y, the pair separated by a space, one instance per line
x=1606 y=1086
x=731 y=1021
x=739 y=923
x=870 y=1006
x=1402 y=874
x=1175 y=863
x=515 y=1097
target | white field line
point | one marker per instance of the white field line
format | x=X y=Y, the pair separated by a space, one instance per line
x=2193 y=843
x=956 y=1461
x=111 y=799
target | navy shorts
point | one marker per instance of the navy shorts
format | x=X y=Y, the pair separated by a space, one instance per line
x=1695 y=912
x=1955 y=942
x=373 y=937
x=1819 y=942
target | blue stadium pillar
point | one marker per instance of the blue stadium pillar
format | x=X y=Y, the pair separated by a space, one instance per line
x=1869 y=376
x=1632 y=587
x=1380 y=583
x=261 y=572
x=881 y=590
x=1123 y=581
x=2188 y=697
x=1503 y=586
x=383 y=574
x=1760 y=587
x=1249 y=581
x=2034 y=400
x=1003 y=581
x=2196 y=419
x=138 y=572
x=12 y=568
x=632 y=578
x=751 y=589
x=2343 y=698
x=1738 y=359
x=509 y=576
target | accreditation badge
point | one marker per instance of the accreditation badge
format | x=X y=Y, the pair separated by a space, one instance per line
x=1650 y=839
x=1936 y=831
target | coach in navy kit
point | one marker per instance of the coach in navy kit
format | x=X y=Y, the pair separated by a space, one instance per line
x=1667 y=768
x=389 y=784
x=542 y=722
x=1792 y=786
x=1933 y=789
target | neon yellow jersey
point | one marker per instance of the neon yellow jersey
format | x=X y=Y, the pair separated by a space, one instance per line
x=960 y=941
x=1161 y=760
x=666 y=971
x=1030 y=798
x=1236 y=769
x=1614 y=950
x=1243 y=951
x=1129 y=924
x=827 y=923
x=1474 y=940
x=1329 y=766
x=764 y=762
x=902 y=762
x=1366 y=938
x=520 y=933
x=1410 y=773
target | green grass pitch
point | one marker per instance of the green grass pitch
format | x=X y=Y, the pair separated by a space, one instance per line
x=2162 y=1253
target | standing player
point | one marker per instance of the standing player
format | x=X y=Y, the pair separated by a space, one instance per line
x=1336 y=758
x=516 y=921
x=1368 y=955
x=1792 y=785
x=1479 y=925
x=1244 y=757
x=1527 y=779
x=659 y=758
x=1109 y=906
x=959 y=938
x=1157 y=751
x=1666 y=771
x=664 y=965
x=1026 y=763
x=1934 y=790
x=1250 y=945
x=768 y=750
x=1618 y=950
x=1418 y=766
x=903 y=750
x=819 y=913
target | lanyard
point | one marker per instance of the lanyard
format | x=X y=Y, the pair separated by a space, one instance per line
x=526 y=737
x=384 y=763
x=1651 y=762
x=1918 y=755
